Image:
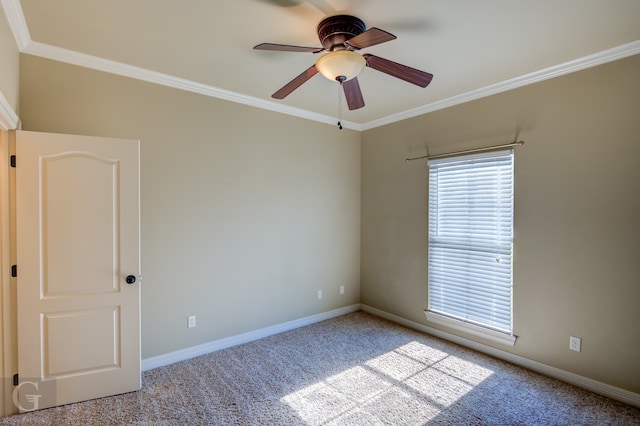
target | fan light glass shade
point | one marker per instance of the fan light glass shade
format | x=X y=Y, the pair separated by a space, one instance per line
x=340 y=63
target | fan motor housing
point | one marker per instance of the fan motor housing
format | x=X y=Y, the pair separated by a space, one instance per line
x=335 y=30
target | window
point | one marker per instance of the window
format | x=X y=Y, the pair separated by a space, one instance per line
x=471 y=243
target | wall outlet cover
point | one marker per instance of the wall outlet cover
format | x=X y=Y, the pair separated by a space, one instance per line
x=191 y=321
x=575 y=343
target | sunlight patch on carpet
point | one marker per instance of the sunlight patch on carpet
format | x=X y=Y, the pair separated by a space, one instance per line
x=414 y=382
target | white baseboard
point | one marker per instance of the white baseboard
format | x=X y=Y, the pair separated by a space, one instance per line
x=227 y=342
x=595 y=386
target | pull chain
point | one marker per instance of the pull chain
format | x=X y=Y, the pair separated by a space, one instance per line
x=339 y=104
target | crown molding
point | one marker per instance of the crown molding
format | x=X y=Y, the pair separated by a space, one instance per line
x=599 y=58
x=113 y=67
x=118 y=68
x=18 y=25
x=9 y=120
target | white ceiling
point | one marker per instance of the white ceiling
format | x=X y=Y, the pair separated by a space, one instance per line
x=473 y=48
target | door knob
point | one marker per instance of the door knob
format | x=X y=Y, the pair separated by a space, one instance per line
x=130 y=279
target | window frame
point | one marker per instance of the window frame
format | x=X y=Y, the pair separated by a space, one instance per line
x=471 y=326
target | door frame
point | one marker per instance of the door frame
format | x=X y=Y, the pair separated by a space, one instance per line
x=9 y=122
x=8 y=320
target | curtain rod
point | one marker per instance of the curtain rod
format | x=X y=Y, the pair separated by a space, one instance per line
x=468 y=151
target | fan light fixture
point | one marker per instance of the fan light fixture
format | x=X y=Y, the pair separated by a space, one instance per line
x=342 y=36
x=340 y=65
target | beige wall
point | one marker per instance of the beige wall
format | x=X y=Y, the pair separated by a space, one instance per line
x=9 y=63
x=246 y=213
x=577 y=214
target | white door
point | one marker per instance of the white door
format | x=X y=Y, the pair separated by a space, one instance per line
x=78 y=246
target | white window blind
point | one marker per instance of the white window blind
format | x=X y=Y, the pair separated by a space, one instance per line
x=471 y=238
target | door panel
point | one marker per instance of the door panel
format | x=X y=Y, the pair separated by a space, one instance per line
x=72 y=329
x=77 y=201
x=89 y=207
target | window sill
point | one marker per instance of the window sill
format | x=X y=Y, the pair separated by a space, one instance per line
x=485 y=333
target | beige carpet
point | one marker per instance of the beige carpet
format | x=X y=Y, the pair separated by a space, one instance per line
x=352 y=370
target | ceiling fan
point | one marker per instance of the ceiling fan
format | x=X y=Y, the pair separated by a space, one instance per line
x=341 y=37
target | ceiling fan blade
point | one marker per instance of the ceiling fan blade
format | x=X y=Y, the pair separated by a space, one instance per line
x=322 y=5
x=295 y=83
x=282 y=3
x=286 y=48
x=403 y=72
x=353 y=94
x=369 y=38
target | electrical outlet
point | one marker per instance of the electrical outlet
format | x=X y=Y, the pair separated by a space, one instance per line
x=191 y=321
x=319 y=294
x=341 y=289
x=575 y=343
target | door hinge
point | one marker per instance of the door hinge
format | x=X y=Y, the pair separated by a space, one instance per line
x=14 y=271
x=12 y=159
x=16 y=381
